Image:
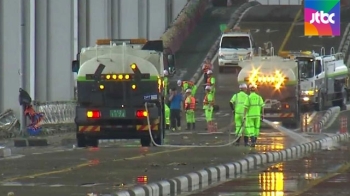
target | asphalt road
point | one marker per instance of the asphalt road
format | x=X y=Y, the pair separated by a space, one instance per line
x=269 y=24
x=323 y=173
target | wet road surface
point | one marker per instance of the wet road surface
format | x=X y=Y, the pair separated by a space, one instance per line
x=323 y=173
x=108 y=169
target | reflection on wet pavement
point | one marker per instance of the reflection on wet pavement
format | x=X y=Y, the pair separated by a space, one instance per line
x=108 y=169
x=321 y=173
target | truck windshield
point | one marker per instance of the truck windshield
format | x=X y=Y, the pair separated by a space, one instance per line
x=235 y=42
x=306 y=68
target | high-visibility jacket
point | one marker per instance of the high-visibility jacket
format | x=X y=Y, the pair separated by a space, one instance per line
x=206 y=67
x=190 y=103
x=187 y=84
x=254 y=104
x=210 y=81
x=208 y=101
x=238 y=100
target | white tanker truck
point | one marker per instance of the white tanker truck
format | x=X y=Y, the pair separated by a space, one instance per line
x=322 y=82
x=323 y=78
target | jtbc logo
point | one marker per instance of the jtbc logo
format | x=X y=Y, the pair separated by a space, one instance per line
x=322 y=18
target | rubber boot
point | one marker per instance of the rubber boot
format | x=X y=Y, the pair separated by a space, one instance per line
x=255 y=139
x=167 y=127
x=252 y=139
x=188 y=126
x=193 y=126
x=238 y=140
x=246 y=140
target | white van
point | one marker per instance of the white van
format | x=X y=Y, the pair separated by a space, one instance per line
x=234 y=46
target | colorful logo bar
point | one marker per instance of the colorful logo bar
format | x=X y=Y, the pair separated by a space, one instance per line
x=322 y=17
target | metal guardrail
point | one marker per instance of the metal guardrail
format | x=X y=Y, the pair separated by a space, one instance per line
x=59 y=118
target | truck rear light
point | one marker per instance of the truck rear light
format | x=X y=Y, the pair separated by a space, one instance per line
x=93 y=114
x=286 y=106
x=142 y=179
x=141 y=113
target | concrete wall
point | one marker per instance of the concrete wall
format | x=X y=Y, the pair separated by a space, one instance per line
x=55 y=31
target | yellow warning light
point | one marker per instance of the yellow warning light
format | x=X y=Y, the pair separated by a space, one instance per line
x=277 y=79
x=114 y=76
x=120 y=77
x=108 y=77
x=127 y=77
x=102 y=87
x=133 y=66
x=133 y=86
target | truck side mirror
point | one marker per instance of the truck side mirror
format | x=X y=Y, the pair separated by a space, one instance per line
x=75 y=66
x=171 y=60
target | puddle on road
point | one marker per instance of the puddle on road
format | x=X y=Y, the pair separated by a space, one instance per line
x=284 y=179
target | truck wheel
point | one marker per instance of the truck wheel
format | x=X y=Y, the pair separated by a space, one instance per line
x=344 y=101
x=319 y=106
x=93 y=142
x=81 y=141
x=159 y=140
x=145 y=142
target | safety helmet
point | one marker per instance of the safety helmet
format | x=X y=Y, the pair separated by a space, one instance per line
x=243 y=86
x=207 y=88
x=179 y=82
x=252 y=87
x=165 y=72
x=188 y=91
x=209 y=72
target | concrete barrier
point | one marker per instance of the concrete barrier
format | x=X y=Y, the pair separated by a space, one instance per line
x=5 y=152
x=203 y=178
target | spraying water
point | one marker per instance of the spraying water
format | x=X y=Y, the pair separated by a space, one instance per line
x=295 y=136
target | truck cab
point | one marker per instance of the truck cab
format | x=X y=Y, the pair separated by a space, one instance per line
x=323 y=80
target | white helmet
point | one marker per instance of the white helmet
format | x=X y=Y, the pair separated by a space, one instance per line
x=207 y=88
x=243 y=86
x=252 y=86
x=209 y=72
x=188 y=91
x=165 y=72
x=179 y=82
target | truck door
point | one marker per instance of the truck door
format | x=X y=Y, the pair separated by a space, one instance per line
x=319 y=74
x=330 y=80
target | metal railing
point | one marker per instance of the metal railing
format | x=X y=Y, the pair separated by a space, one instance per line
x=59 y=118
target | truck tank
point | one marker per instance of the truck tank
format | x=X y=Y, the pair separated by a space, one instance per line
x=117 y=59
x=275 y=77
